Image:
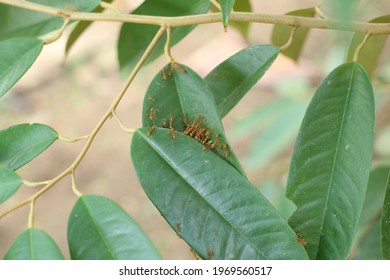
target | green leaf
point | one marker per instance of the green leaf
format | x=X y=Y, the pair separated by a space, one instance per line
x=22 y=143
x=281 y=34
x=277 y=136
x=234 y=77
x=242 y=27
x=34 y=244
x=99 y=229
x=385 y=224
x=372 y=49
x=370 y=245
x=331 y=162
x=18 y=22
x=226 y=7
x=80 y=28
x=9 y=183
x=177 y=92
x=16 y=57
x=135 y=38
x=215 y=209
x=367 y=242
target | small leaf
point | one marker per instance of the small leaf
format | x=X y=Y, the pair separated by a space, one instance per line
x=135 y=38
x=281 y=34
x=81 y=27
x=331 y=162
x=9 y=183
x=34 y=24
x=372 y=49
x=21 y=143
x=181 y=94
x=242 y=27
x=16 y=57
x=226 y=7
x=234 y=77
x=34 y=244
x=385 y=224
x=216 y=210
x=99 y=229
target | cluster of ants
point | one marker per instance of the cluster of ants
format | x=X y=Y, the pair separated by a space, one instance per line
x=196 y=129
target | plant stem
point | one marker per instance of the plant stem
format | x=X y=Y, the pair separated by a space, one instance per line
x=73 y=166
x=360 y=27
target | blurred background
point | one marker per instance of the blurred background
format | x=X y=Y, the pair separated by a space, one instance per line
x=72 y=93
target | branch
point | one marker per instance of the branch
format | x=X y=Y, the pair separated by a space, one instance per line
x=73 y=166
x=360 y=27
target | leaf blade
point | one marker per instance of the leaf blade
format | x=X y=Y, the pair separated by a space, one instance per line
x=16 y=57
x=34 y=244
x=226 y=8
x=331 y=162
x=385 y=224
x=134 y=38
x=281 y=34
x=112 y=233
x=35 y=24
x=196 y=194
x=370 y=53
x=233 y=78
x=19 y=144
x=9 y=183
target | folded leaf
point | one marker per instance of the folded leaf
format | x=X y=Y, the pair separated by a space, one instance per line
x=22 y=143
x=99 y=229
x=226 y=7
x=16 y=57
x=178 y=95
x=331 y=162
x=216 y=210
x=34 y=244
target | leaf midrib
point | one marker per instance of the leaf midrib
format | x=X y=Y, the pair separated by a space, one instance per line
x=335 y=159
x=167 y=160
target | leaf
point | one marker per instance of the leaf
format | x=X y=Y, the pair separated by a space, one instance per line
x=215 y=209
x=81 y=27
x=281 y=34
x=99 y=229
x=135 y=38
x=35 y=23
x=372 y=49
x=22 y=143
x=9 y=183
x=34 y=244
x=234 y=77
x=385 y=224
x=16 y=57
x=277 y=136
x=179 y=94
x=226 y=8
x=331 y=162
x=242 y=27
x=370 y=246
x=367 y=241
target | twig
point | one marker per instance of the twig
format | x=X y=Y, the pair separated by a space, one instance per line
x=57 y=34
x=121 y=124
x=167 y=48
x=360 y=27
x=360 y=47
x=72 y=140
x=95 y=131
x=290 y=39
